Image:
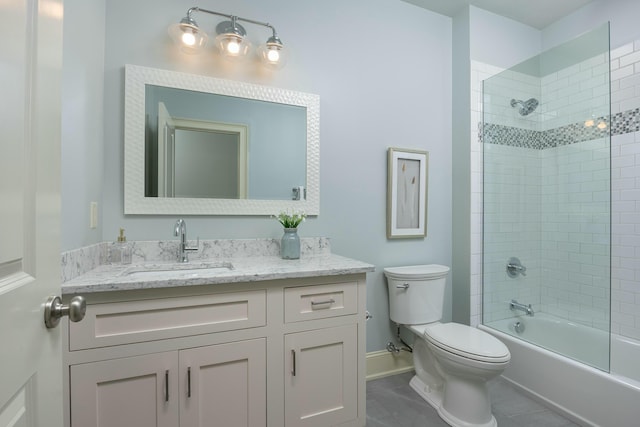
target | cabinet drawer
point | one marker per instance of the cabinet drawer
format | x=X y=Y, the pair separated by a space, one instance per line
x=137 y=321
x=320 y=301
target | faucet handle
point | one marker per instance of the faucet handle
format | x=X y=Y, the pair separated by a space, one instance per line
x=193 y=248
x=515 y=267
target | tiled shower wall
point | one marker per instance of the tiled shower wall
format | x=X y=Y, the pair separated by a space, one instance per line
x=573 y=283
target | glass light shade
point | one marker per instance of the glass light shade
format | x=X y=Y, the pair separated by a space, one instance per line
x=232 y=46
x=188 y=36
x=273 y=54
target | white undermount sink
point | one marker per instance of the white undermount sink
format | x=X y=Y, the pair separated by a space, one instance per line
x=177 y=270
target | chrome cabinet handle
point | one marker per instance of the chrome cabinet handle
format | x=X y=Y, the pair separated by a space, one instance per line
x=54 y=310
x=329 y=301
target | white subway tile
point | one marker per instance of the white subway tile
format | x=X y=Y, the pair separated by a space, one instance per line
x=630 y=58
x=615 y=64
x=622 y=72
x=631 y=103
x=622 y=50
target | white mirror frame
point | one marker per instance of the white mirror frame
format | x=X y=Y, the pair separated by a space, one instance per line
x=135 y=202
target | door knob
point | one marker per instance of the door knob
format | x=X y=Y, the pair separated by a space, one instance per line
x=54 y=310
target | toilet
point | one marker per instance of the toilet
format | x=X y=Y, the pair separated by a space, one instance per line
x=453 y=362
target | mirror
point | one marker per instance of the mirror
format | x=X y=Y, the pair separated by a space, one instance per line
x=198 y=145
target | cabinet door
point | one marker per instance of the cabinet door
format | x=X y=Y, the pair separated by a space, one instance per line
x=136 y=391
x=224 y=385
x=321 y=369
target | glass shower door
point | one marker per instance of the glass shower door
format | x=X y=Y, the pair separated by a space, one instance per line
x=547 y=199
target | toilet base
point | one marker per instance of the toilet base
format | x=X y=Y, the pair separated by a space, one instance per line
x=434 y=398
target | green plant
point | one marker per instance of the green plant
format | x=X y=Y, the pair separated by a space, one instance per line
x=291 y=219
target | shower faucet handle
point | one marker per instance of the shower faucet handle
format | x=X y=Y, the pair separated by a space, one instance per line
x=515 y=267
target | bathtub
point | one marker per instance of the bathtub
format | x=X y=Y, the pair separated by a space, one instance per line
x=584 y=393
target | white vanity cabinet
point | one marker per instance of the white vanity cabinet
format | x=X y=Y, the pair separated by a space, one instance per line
x=284 y=352
x=185 y=388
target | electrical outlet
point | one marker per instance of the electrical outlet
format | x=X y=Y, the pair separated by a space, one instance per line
x=93 y=215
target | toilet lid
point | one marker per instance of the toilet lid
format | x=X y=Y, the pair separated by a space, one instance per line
x=417 y=272
x=468 y=342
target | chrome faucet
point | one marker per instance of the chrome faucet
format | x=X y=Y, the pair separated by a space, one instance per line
x=183 y=251
x=515 y=305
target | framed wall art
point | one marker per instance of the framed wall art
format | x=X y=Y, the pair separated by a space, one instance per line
x=407 y=193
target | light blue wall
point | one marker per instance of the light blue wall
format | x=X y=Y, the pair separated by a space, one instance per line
x=501 y=41
x=382 y=69
x=623 y=15
x=82 y=162
x=461 y=170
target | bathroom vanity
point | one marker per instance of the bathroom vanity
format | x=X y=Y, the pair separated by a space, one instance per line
x=244 y=341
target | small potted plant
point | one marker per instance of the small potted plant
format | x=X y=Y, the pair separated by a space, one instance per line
x=290 y=242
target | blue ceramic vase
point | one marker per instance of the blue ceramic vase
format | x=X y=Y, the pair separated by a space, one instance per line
x=290 y=244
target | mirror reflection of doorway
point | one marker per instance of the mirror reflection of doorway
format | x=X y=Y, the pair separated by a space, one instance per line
x=200 y=159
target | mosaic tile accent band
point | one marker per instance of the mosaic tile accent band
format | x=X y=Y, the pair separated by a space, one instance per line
x=626 y=122
x=621 y=123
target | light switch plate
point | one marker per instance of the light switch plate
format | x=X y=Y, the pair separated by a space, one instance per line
x=93 y=215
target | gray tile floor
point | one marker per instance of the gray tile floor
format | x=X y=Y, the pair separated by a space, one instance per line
x=392 y=403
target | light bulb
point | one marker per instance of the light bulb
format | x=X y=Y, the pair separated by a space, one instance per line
x=590 y=122
x=602 y=125
x=188 y=38
x=233 y=47
x=273 y=55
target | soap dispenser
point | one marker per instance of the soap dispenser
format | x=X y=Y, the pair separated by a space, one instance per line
x=122 y=252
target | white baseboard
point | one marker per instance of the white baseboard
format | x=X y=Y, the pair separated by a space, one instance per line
x=383 y=363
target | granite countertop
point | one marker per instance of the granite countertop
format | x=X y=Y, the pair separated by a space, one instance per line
x=118 y=277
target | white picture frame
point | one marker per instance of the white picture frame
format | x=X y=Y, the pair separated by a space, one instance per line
x=407 y=182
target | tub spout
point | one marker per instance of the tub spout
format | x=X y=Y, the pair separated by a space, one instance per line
x=515 y=305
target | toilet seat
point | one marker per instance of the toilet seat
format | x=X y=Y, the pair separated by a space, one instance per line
x=464 y=341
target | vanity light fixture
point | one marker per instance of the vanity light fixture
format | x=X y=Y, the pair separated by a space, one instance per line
x=231 y=40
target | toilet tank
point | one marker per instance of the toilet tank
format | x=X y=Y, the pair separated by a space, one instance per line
x=416 y=293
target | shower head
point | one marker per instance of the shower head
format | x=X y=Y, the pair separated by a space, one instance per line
x=526 y=107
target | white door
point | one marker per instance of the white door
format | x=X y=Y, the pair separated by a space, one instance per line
x=30 y=66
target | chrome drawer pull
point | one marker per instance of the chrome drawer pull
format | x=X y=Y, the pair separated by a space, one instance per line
x=329 y=301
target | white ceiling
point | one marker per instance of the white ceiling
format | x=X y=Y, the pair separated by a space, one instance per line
x=535 y=13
